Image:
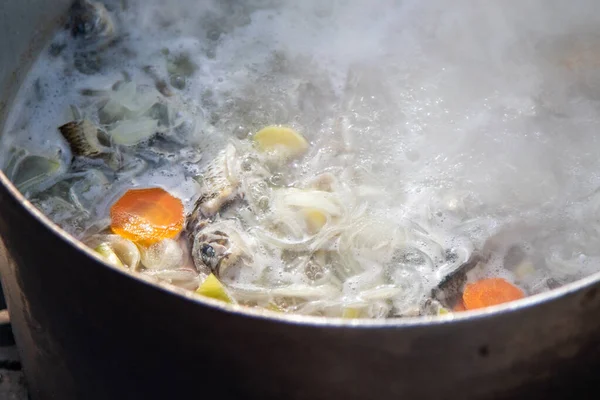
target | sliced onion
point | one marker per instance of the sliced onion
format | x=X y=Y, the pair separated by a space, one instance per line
x=294 y=245
x=132 y=132
x=412 y=293
x=32 y=174
x=174 y=275
x=126 y=102
x=463 y=254
x=383 y=292
x=126 y=250
x=320 y=200
x=248 y=292
x=355 y=285
x=379 y=309
x=164 y=255
x=96 y=227
x=305 y=291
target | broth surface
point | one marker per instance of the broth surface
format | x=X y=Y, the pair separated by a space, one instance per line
x=448 y=135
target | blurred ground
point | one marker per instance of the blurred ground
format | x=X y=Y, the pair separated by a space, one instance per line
x=12 y=380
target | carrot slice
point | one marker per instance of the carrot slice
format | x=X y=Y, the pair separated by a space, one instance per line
x=490 y=292
x=147 y=216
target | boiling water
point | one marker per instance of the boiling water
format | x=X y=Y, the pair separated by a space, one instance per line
x=476 y=122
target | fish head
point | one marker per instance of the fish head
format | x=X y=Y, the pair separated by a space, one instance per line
x=91 y=21
x=216 y=247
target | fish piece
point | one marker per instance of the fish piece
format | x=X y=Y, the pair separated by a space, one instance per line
x=217 y=246
x=161 y=85
x=324 y=182
x=180 y=68
x=220 y=185
x=91 y=22
x=82 y=137
x=448 y=289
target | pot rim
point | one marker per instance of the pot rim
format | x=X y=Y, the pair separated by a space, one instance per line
x=397 y=322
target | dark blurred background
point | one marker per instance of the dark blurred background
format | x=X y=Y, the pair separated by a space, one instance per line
x=12 y=380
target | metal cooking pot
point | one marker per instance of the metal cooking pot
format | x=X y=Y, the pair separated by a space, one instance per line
x=89 y=331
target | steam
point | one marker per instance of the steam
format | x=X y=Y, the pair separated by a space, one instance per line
x=474 y=118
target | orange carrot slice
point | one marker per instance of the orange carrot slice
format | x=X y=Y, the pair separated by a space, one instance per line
x=489 y=292
x=147 y=216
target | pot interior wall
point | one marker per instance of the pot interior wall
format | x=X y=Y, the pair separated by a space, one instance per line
x=25 y=27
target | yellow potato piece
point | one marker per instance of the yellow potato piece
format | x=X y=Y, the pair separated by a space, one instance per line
x=524 y=269
x=443 y=311
x=351 y=312
x=274 y=307
x=211 y=287
x=315 y=219
x=281 y=139
x=108 y=254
